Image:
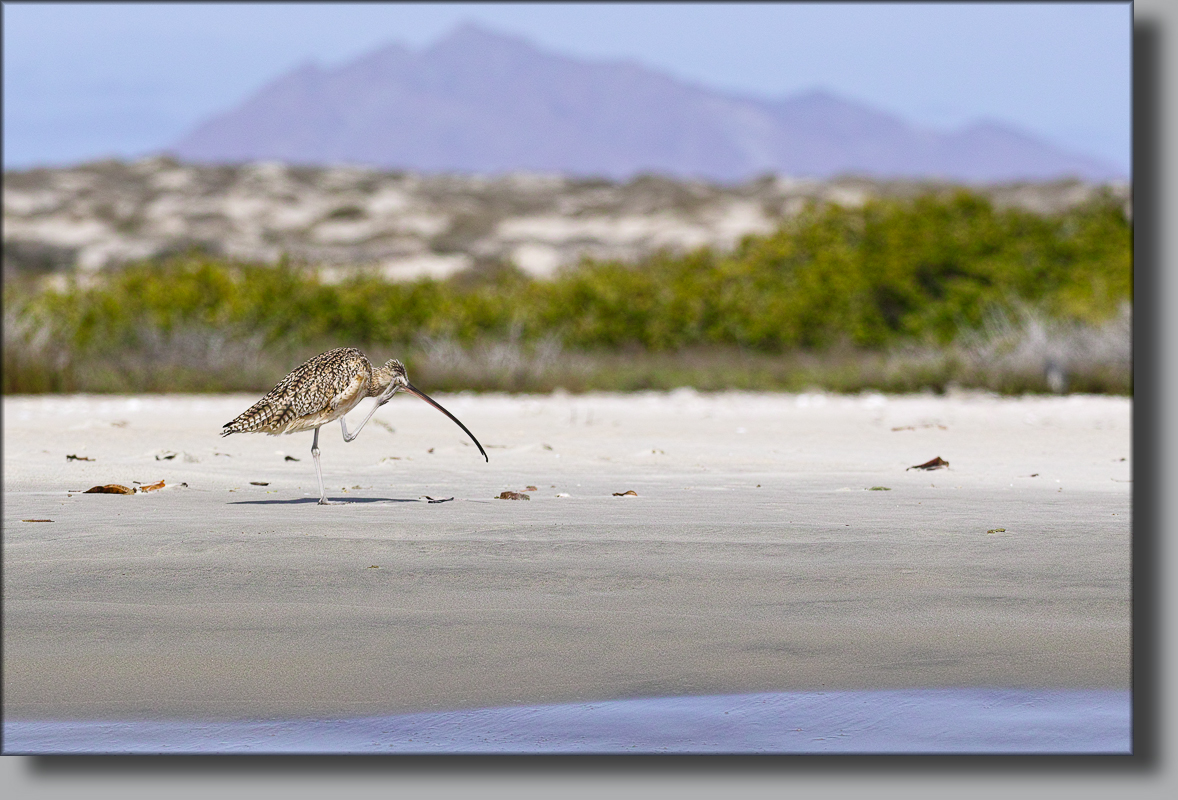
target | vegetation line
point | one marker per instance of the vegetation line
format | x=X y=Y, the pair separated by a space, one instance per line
x=897 y=294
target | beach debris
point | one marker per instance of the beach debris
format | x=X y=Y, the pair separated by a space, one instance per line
x=259 y=483
x=996 y=530
x=373 y=566
x=1033 y=475
x=549 y=447
x=152 y=487
x=110 y=488
x=289 y=458
x=510 y=495
x=437 y=499
x=531 y=489
x=936 y=463
x=875 y=489
x=627 y=493
x=430 y=450
x=167 y=455
x=122 y=423
x=36 y=520
x=78 y=458
x=384 y=425
x=563 y=494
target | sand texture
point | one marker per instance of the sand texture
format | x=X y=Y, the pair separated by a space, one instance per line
x=754 y=557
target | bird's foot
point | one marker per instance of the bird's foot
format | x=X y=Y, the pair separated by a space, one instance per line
x=323 y=501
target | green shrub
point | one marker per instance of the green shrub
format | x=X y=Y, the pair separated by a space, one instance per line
x=891 y=273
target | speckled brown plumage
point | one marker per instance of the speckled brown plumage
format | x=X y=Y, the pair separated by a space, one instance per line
x=325 y=388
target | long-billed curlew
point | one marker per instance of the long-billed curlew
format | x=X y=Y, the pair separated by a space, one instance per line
x=324 y=389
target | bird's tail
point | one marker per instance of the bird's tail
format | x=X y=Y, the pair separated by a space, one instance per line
x=264 y=416
x=243 y=423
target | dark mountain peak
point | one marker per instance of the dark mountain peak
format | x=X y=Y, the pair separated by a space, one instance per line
x=479 y=100
x=470 y=36
x=378 y=65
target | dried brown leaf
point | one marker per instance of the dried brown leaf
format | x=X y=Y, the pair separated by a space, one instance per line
x=110 y=488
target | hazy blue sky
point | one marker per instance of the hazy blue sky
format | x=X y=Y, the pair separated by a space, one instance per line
x=91 y=80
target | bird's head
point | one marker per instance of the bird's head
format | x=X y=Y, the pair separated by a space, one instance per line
x=396 y=372
x=398 y=380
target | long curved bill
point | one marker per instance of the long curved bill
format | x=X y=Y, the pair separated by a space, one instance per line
x=418 y=393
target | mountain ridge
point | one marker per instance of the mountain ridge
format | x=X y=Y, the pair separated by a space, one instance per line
x=483 y=102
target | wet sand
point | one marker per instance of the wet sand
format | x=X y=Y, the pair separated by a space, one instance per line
x=890 y=721
x=755 y=557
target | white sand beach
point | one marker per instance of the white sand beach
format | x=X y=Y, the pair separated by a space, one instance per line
x=755 y=556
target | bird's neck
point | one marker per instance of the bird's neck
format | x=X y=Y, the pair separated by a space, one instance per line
x=382 y=377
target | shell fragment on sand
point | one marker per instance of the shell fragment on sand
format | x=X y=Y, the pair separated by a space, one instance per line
x=118 y=488
x=936 y=463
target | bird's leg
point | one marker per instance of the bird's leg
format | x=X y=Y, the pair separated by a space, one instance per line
x=380 y=401
x=318 y=469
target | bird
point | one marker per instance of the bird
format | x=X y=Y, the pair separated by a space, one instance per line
x=324 y=389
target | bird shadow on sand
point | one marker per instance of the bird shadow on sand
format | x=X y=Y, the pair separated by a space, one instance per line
x=334 y=501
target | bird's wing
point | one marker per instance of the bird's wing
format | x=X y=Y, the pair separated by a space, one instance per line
x=309 y=396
